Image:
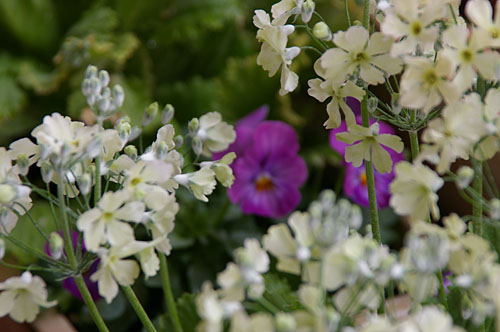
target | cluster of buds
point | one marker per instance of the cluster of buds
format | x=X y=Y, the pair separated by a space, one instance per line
x=103 y=100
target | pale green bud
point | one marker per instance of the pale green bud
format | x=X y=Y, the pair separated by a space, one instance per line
x=91 y=72
x=465 y=175
x=307 y=10
x=94 y=86
x=372 y=104
x=495 y=208
x=285 y=322
x=47 y=172
x=197 y=145
x=84 y=183
x=103 y=104
x=2 y=248
x=167 y=114
x=193 y=126
x=124 y=129
x=150 y=113
x=22 y=163
x=395 y=106
x=56 y=245
x=131 y=151
x=86 y=87
x=322 y=31
x=118 y=95
x=161 y=150
x=178 y=141
x=7 y=193
x=104 y=78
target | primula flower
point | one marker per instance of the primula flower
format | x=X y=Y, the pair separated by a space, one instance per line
x=357 y=49
x=274 y=53
x=22 y=297
x=426 y=83
x=215 y=134
x=406 y=19
x=223 y=173
x=285 y=8
x=200 y=183
x=480 y=13
x=107 y=221
x=414 y=191
x=369 y=146
x=269 y=173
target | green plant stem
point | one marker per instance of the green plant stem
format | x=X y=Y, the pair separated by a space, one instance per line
x=347 y=13
x=477 y=206
x=68 y=246
x=139 y=310
x=366 y=14
x=441 y=291
x=167 y=291
x=97 y=187
x=370 y=181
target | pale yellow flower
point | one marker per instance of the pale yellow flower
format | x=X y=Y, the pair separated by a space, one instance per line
x=480 y=13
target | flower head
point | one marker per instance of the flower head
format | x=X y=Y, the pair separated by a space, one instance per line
x=215 y=134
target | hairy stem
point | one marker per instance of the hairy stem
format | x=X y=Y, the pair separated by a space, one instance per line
x=167 y=291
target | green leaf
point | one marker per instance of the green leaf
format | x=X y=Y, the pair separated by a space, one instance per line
x=455 y=297
x=32 y=22
x=279 y=293
x=43 y=82
x=95 y=20
x=12 y=98
x=491 y=232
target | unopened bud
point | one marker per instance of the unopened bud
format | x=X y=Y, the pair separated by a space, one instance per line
x=197 y=145
x=193 y=127
x=495 y=208
x=131 y=151
x=178 y=141
x=167 y=114
x=395 y=106
x=47 y=172
x=56 y=245
x=23 y=163
x=150 y=114
x=84 y=183
x=371 y=104
x=95 y=86
x=161 y=150
x=307 y=10
x=118 y=96
x=103 y=104
x=104 y=77
x=86 y=87
x=2 y=248
x=465 y=175
x=124 y=129
x=375 y=128
x=322 y=31
x=285 y=322
x=91 y=72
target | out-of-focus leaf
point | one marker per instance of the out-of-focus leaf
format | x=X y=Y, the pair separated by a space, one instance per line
x=95 y=20
x=12 y=98
x=26 y=232
x=124 y=47
x=279 y=293
x=113 y=310
x=32 y=76
x=32 y=22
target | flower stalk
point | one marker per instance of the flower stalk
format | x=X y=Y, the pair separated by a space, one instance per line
x=139 y=310
x=169 y=297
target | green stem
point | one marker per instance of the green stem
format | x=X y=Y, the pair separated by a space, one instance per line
x=366 y=15
x=139 y=310
x=68 y=246
x=415 y=149
x=268 y=305
x=167 y=291
x=97 y=187
x=347 y=13
x=441 y=292
x=477 y=206
x=370 y=181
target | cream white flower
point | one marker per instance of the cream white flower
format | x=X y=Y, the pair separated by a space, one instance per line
x=274 y=53
x=107 y=221
x=415 y=23
x=414 y=191
x=469 y=55
x=425 y=83
x=215 y=134
x=258 y=322
x=282 y=10
x=114 y=269
x=145 y=175
x=24 y=151
x=200 y=183
x=369 y=146
x=356 y=49
x=22 y=297
x=480 y=13
x=455 y=133
x=429 y=319
x=223 y=173
x=323 y=89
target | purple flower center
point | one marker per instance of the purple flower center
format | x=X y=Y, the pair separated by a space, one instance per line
x=264 y=183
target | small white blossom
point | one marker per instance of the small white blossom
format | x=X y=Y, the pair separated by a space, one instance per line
x=200 y=183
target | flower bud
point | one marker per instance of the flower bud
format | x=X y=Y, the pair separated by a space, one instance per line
x=161 y=150
x=91 y=72
x=372 y=104
x=86 y=87
x=47 y=172
x=7 y=193
x=307 y=10
x=285 y=322
x=118 y=95
x=193 y=127
x=95 y=86
x=124 y=129
x=395 y=106
x=104 y=78
x=178 y=141
x=167 y=114
x=131 y=151
x=495 y=208
x=197 y=145
x=465 y=175
x=23 y=163
x=150 y=114
x=103 y=104
x=84 y=183
x=56 y=245
x=2 y=248
x=322 y=31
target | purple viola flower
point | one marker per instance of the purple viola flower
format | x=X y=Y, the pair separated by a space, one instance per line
x=69 y=283
x=355 y=186
x=268 y=171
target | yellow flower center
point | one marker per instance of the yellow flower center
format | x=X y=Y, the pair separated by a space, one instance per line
x=362 y=178
x=494 y=32
x=135 y=181
x=416 y=28
x=108 y=215
x=430 y=77
x=264 y=183
x=466 y=55
x=360 y=57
